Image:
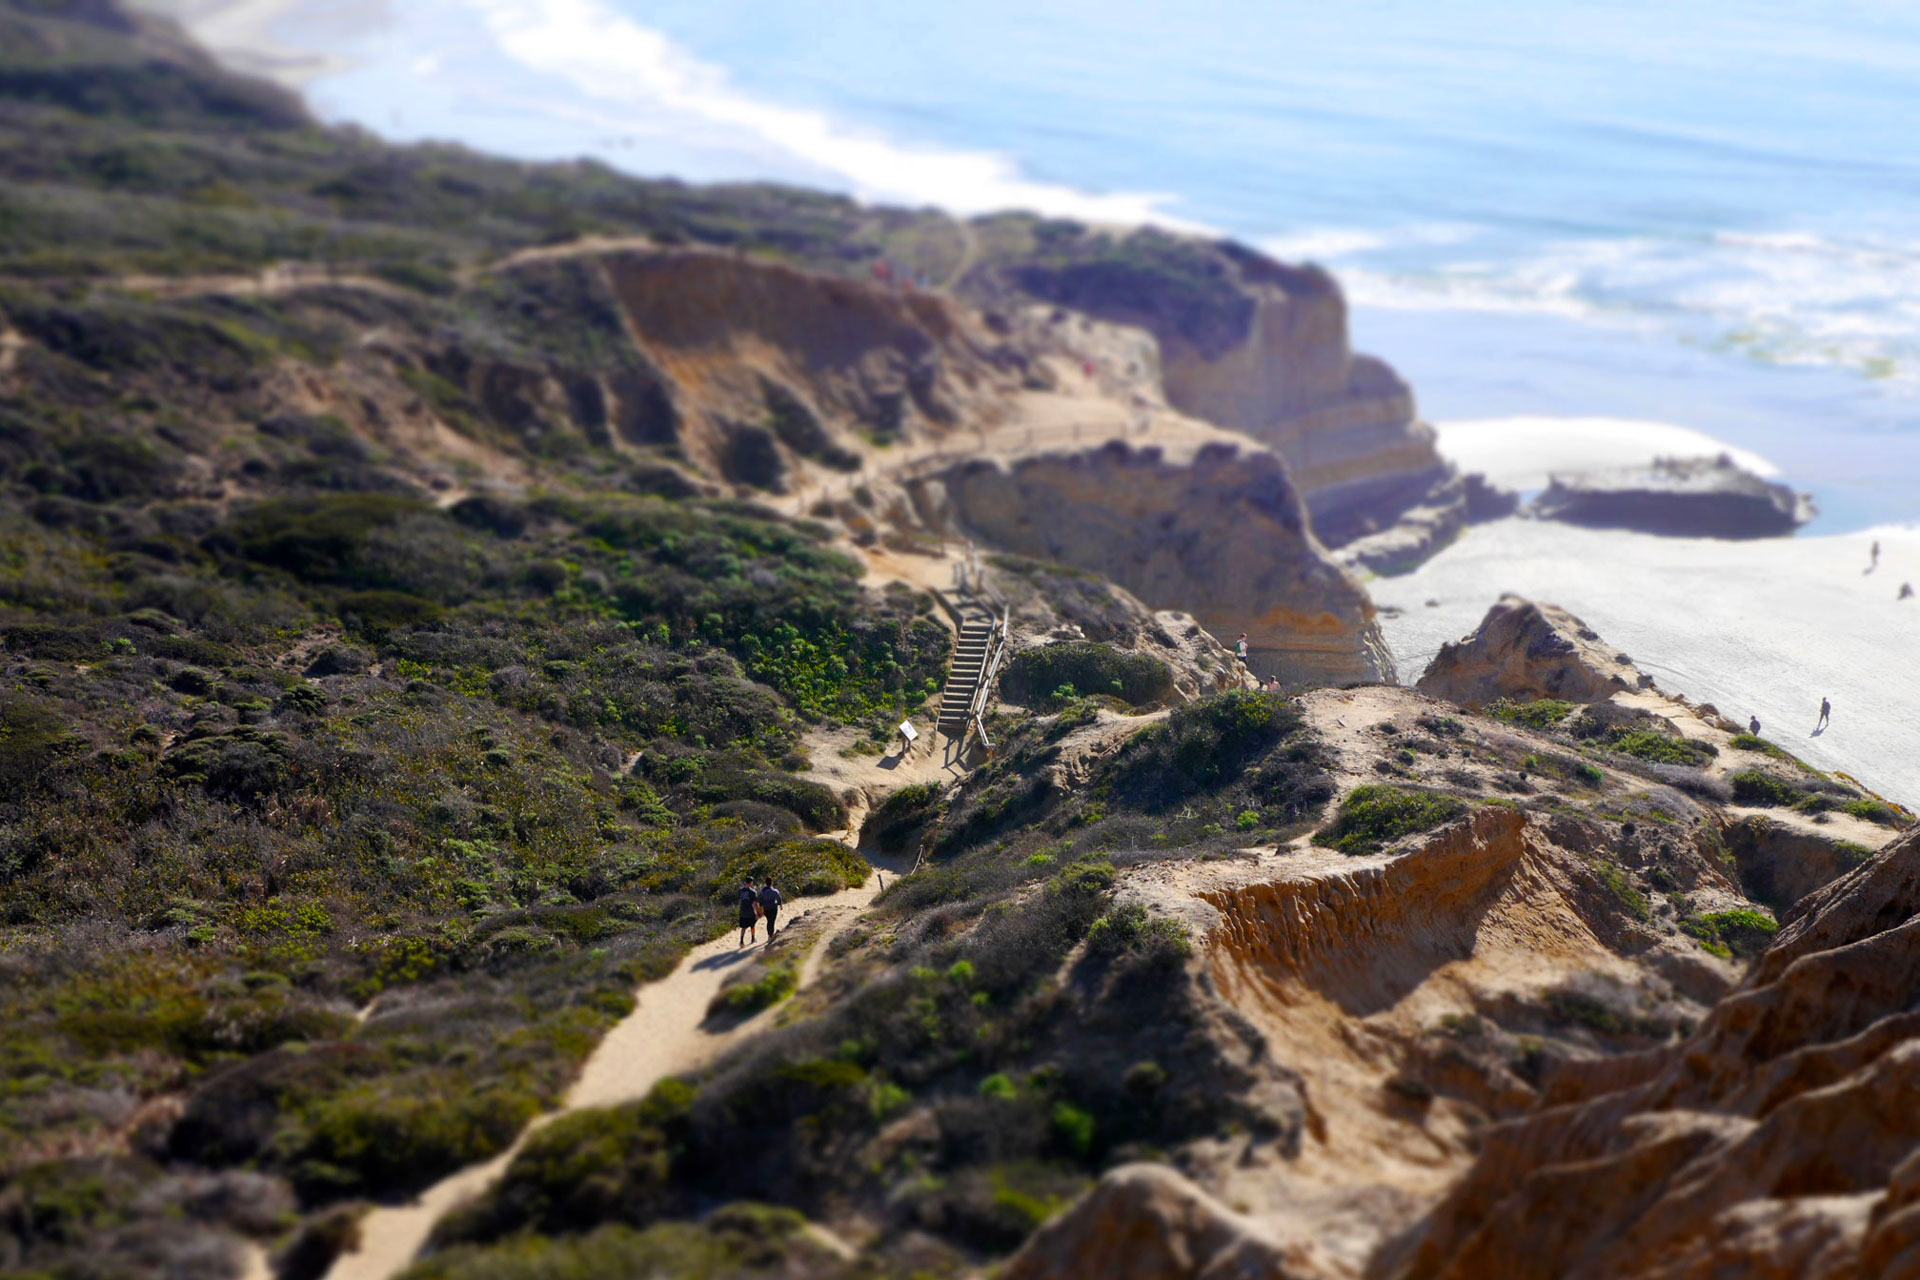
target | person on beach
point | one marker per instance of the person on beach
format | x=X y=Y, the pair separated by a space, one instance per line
x=1753 y=725
x=770 y=904
x=1826 y=713
x=750 y=915
x=1873 y=559
x=1906 y=591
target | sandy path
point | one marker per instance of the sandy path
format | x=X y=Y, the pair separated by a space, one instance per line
x=662 y=1037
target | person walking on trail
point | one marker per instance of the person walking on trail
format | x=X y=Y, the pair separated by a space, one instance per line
x=1753 y=725
x=1241 y=647
x=1873 y=559
x=750 y=915
x=1826 y=713
x=770 y=904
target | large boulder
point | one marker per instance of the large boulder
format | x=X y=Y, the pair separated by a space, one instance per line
x=1524 y=651
x=1147 y=1222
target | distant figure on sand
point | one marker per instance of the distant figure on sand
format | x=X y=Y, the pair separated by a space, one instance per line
x=749 y=914
x=1906 y=591
x=1873 y=559
x=1241 y=648
x=1826 y=713
x=770 y=903
x=1753 y=725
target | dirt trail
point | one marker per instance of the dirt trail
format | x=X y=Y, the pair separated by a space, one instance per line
x=662 y=1037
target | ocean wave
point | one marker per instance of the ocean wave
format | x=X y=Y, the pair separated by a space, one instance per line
x=1779 y=297
x=612 y=59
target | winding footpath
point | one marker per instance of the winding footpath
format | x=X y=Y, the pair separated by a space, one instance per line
x=662 y=1037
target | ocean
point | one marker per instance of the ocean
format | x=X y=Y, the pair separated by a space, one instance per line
x=1704 y=213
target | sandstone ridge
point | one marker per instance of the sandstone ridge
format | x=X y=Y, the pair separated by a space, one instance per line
x=1778 y=1139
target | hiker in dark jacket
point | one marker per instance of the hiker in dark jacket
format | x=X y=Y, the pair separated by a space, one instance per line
x=750 y=915
x=769 y=903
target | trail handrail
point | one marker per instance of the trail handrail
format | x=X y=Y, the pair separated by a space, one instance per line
x=990 y=670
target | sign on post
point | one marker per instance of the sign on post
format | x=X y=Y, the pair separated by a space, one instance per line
x=907 y=736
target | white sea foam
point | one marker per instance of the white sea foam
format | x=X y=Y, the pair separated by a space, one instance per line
x=614 y=60
x=1790 y=298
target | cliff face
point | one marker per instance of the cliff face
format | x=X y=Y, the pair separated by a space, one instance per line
x=1261 y=347
x=766 y=365
x=1215 y=530
x=1778 y=1139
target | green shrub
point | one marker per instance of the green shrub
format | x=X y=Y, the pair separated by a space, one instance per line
x=1202 y=747
x=900 y=815
x=811 y=802
x=1377 y=814
x=1073 y=1128
x=1762 y=789
x=1871 y=810
x=1543 y=713
x=1660 y=748
x=1131 y=930
x=748 y=998
x=1042 y=674
x=1746 y=933
x=800 y=868
x=587 y=1167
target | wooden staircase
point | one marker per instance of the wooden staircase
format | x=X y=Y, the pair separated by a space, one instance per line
x=970 y=654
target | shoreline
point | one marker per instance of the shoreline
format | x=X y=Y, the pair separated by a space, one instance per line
x=1764 y=627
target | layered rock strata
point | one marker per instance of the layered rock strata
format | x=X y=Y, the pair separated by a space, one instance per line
x=1781 y=1138
x=1262 y=347
x=1214 y=529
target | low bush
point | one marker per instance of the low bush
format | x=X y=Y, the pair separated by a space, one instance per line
x=1542 y=713
x=1377 y=814
x=1746 y=933
x=1661 y=748
x=1133 y=933
x=799 y=868
x=814 y=804
x=895 y=820
x=744 y=999
x=1204 y=746
x=1035 y=676
x=1762 y=789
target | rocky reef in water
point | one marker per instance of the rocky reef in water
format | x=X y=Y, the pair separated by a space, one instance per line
x=1687 y=497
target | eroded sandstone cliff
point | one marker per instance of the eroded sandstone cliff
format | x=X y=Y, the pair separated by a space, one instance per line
x=1215 y=529
x=1778 y=1139
x=1262 y=347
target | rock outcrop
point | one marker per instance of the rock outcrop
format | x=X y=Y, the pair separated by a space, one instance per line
x=1690 y=498
x=1146 y=1222
x=1781 y=1138
x=1262 y=347
x=1524 y=651
x=1214 y=529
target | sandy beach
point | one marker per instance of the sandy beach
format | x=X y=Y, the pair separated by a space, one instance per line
x=1762 y=628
